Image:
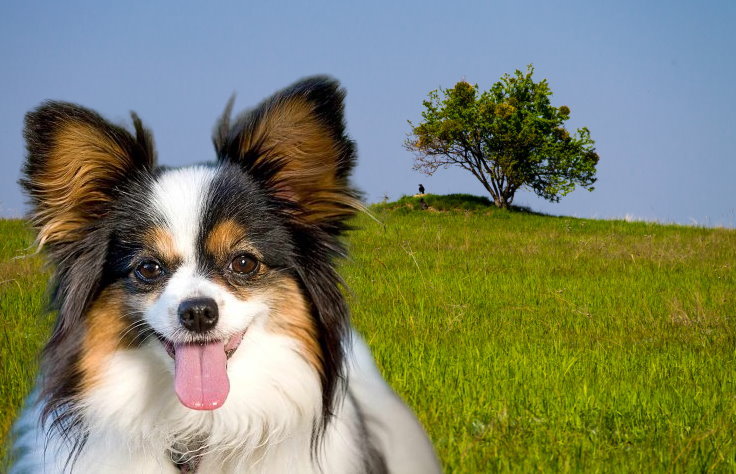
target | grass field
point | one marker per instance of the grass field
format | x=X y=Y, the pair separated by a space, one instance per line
x=523 y=342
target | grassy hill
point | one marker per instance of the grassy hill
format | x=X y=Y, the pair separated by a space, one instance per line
x=523 y=342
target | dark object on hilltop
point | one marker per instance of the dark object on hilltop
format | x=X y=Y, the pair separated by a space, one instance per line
x=510 y=137
x=421 y=189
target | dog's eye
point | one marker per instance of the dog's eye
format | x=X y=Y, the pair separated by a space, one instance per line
x=243 y=264
x=149 y=271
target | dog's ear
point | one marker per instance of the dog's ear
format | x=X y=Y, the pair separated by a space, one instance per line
x=75 y=165
x=295 y=143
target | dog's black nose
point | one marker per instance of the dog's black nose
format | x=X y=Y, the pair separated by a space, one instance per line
x=198 y=314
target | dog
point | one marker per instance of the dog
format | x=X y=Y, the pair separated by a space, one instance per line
x=201 y=324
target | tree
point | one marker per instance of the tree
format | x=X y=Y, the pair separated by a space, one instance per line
x=509 y=137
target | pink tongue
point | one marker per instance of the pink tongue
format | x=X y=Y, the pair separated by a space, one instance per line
x=201 y=381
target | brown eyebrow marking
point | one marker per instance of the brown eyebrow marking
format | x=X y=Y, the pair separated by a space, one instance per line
x=163 y=244
x=224 y=237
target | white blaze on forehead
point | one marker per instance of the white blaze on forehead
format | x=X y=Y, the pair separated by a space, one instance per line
x=178 y=197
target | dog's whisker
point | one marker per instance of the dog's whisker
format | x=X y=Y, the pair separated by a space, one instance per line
x=130 y=328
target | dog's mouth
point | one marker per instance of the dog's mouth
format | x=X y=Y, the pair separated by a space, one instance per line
x=232 y=344
x=200 y=370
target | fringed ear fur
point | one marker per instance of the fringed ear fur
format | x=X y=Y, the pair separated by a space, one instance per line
x=75 y=161
x=295 y=143
x=76 y=165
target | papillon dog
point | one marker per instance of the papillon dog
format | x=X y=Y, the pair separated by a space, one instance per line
x=201 y=324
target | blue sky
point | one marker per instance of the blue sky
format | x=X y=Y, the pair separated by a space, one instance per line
x=654 y=82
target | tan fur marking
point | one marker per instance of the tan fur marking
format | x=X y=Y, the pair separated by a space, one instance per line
x=223 y=237
x=291 y=318
x=82 y=161
x=104 y=328
x=291 y=132
x=163 y=244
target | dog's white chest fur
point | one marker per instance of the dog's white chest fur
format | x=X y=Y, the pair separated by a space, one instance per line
x=136 y=420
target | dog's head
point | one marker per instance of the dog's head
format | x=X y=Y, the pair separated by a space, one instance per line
x=193 y=260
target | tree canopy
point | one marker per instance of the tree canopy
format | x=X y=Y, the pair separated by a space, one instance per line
x=509 y=137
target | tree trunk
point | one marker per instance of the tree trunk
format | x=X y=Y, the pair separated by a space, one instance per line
x=500 y=202
x=505 y=197
x=502 y=196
